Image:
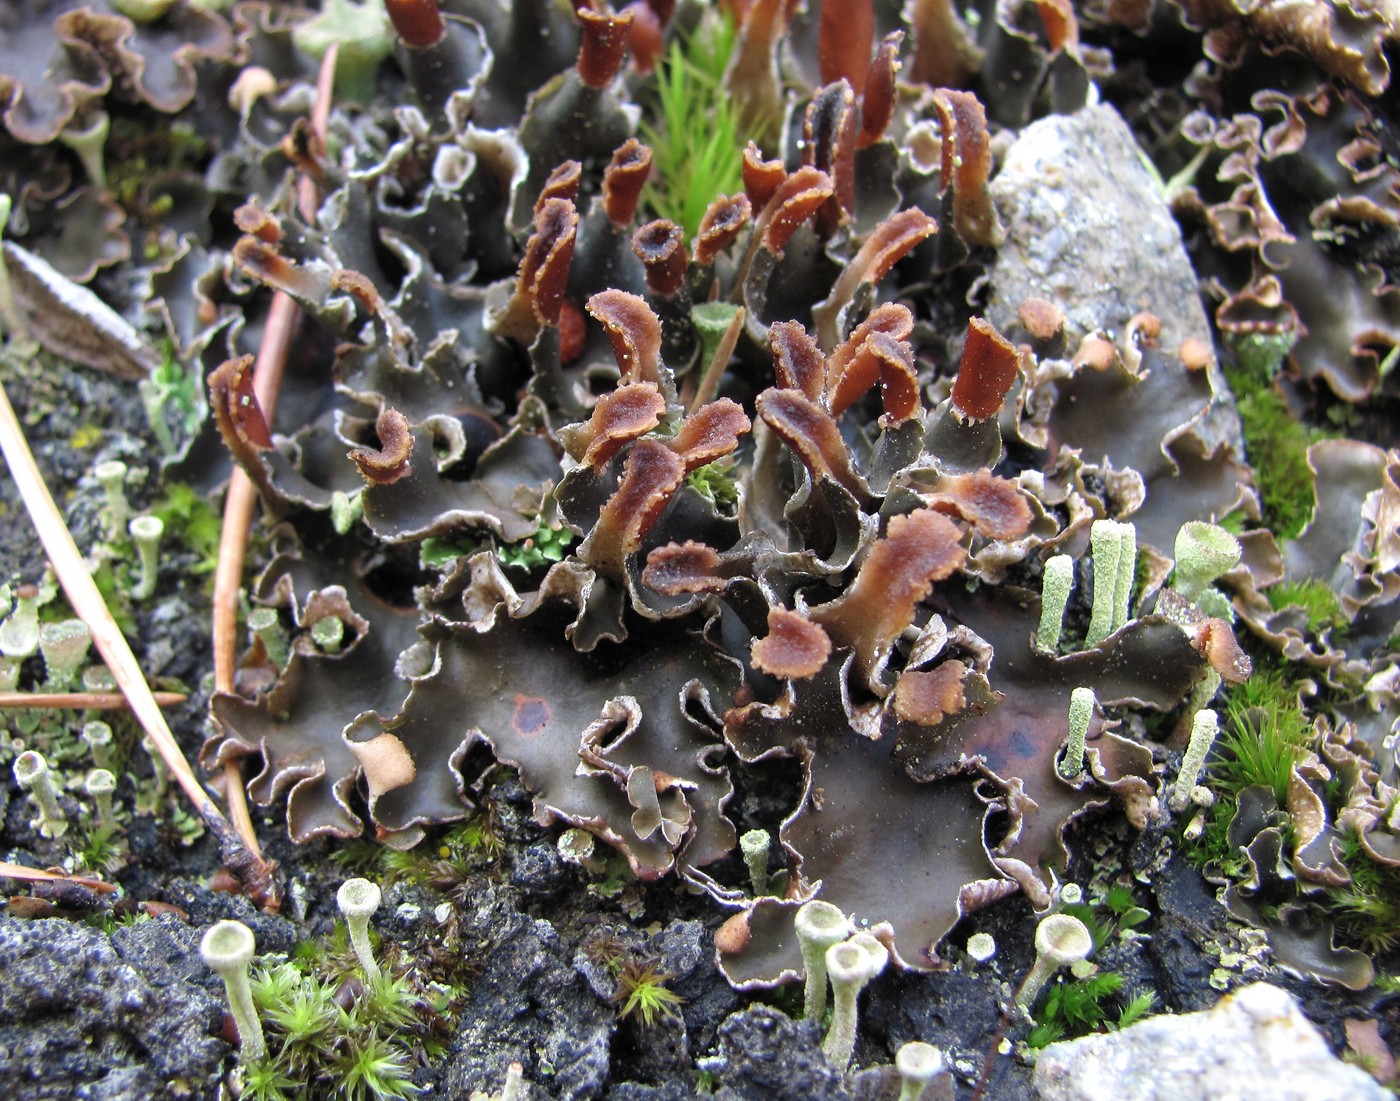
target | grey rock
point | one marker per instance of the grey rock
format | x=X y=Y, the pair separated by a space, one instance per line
x=595 y=972
x=1088 y=229
x=529 y=1006
x=273 y=932
x=1188 y=917
x=654 y=1053
x=956 y=1011
x=79 y=1021
x=687 y=952
x=635 y=1091
x=682 y=946
x=540 y=872
x=884 y=1084
x=1253 y=1043
x=166 y=950
x=770 y=1057
x=515 y=811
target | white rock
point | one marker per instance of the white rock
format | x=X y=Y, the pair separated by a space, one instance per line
x=1087 y=228
x=1255 y=1043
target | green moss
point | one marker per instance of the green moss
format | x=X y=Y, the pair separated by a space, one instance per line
x=1263 y=737
x=320 y=1046
x=268 y=1081
x=1366 y=910
x=1317 y=600
x=441 y=864
x=109 y=921
x=1236 y=523
x=1387 y=984
x=1111 y=913
x=642 y=989
x=1088 y=1005
x=190 y=519
x=696 y=149
x=103 y=848
x=715 y=482
x=1276 y=444
x=376 y=1068
x=304 y=1013
x=171 y=394
x=438 y=552
x=1213 y=849
x=1263 y=734
x=1259 y=357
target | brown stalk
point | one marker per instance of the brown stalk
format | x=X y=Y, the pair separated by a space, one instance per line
x=241 y=496
x=723 y=220
x=660 y=246
x=83 y=701
x=798 y=364
x=988 y=367
x=563 y=183
x=877 y=104
x=39 y=875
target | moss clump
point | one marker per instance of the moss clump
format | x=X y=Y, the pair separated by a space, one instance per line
x=1088 y=1005
x=1264 y=736
x=716 y=483
x=694 y=138
x=1212 y=848
x=329 y=1034
x=1367 y=910
x=1116 y=911
x=362 y=1053
x=191 y=520
x=1276 y=444
x=1093 y=1002
x=1318 y=601
x=172 y=396
x=438 y=552
x=442 y=865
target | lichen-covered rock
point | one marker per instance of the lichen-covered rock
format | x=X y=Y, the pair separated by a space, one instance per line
x=1254 y=1043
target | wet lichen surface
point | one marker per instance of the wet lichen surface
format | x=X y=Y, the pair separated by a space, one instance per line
x=960 y=488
